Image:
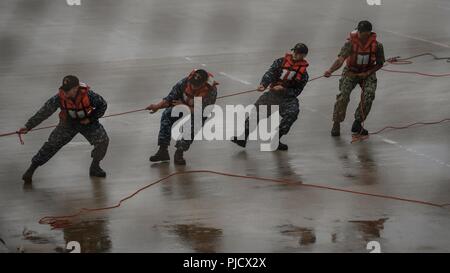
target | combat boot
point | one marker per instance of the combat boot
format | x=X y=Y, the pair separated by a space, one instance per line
x=282 y=147
x=161 y=155
x=357 y=129
x=240 y=142
x=178 y=158
x=336 y=130
x=95 y=169
x=28 y=175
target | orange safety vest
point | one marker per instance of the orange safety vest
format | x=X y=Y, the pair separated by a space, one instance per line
x=189 y=93
x=291 y=70
x=363 y=57
x=79 y=108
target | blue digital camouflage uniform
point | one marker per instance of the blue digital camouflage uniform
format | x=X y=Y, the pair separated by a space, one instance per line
x=286 y=100
x=66 y=130
x=348 y=83
x=165 y=131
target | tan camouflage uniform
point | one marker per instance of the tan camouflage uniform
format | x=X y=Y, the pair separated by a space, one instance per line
x=348 y=83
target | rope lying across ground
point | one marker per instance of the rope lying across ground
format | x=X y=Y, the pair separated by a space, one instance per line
x=64 y=221
x=402 y=61
x=409 y=125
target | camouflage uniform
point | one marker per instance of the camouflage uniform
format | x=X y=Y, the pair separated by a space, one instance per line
x=286 y=100
x=348 y=83
x=67 y=129
x=165 y=131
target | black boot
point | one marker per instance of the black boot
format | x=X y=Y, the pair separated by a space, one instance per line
x=336 y=130
x=28 y=175
x=357 y=129
x=178 y=158
x=95 y=170
x=240 y=142
x=161 y=155
x=282 y=147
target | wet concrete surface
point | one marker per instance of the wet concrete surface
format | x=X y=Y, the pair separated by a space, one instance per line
x=133 y=52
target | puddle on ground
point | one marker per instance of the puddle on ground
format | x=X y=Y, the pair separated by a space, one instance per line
x=307 y=235
x=93 y=236
x=370 y=228
x=200 y=238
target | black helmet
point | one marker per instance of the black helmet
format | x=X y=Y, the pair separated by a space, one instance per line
x=300 y=48
x=69 y=82
x=364 y=26
x=199 y=77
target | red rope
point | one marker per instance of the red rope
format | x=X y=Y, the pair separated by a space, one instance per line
x=254 y=90
x=237 y=94
x=409 y=125
x=53 y=126
x=63 y=221
x=417 y=73
x=124 y=113
x=402 y=61
x=129 y=112
x=395 y=60
x=406 y=60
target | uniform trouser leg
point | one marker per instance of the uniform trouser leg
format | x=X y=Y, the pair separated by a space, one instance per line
x=368 y=96
x=97 y=136
x=289 y=111
x=268 y=99
x=59 y=137
x=165 y=131
x=346 y=86
x=184 y=144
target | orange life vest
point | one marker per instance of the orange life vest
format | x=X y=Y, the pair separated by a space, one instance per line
x=291 y=70
x=189 y=93
x=79 y=108
x=363 y=57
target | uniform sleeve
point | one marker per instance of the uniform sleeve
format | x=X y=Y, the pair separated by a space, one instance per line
x=177 y=91
x=346 y=50
x=380 y=54
x=98 y=103
x=273 y=73
x=298 y=87
x=44 y=113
